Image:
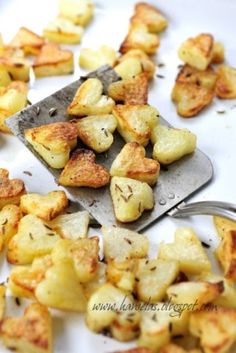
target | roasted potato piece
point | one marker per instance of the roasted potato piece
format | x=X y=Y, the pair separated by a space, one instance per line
x=96 y=131
x=53 y=142
x=13 y=98
x=205 y=78
x=117 y=318
x=147 y=64
x=227 y=297
x=121 y=244
x=139 y=38
x=131 y=163
x=218 y=53
x=27 y=40
x=130 y=198
x=82 y=254
x=82 y=170
x=31 y=333
x=226 y=254
x=14 y=62
x=129 y=68
x=155 y=330
x=10 y=216
x=2 y=300
x=136 y=350
x=71 y=226
x=33 y=239
x=53 y=61
x=172 y=144
x=80 y=12
x=90 y=59
x=197 y=52
x=121 y=274
x=5 y=78
x=190 y=98
x=136 y=122
x=63 y=31
x=226 y=82
x=223 y=225
x=24 y=279
x=153 y=277
x=187 y=250
x=216 y=329
x=132 y=92
x=173 y=348
x=46 y=206
x=195 y=294
x=11 y=190
x=61 y=289
x=150 y=16
x=89 y=100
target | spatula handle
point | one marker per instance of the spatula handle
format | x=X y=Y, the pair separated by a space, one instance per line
x=216 y=208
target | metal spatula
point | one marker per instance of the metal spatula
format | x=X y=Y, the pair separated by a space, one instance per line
x=175 y=184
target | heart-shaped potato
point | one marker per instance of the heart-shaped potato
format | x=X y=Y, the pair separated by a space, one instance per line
x=131 y=163
x=96 y=131
x=90 y=59
x=150 y=16
x=89 y=100
x=63 y=31
x=130 y=198
x=53 y=61
x=27 y=40
x=46 y=206
x=53 y=142
x=30 y=333
x=10 y=190
x=10 y=216
x=61 y=289
x=81 y=170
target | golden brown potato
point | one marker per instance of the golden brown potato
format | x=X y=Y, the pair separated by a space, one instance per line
x=46 y=206
x=194 y=294
x=205 y=78
x=90 y=59
x=89 y=100
x=226 y=254
x=153 y=277
x=80 y=12
x=135 y=122
x=23 y=280
x=190 y=98
x=130 y=198
x=187 y=250
x=53 y=61
x=11 y=190
x=61 y=289
x=82 y=254
x=121 y=274
x=53 y=142
x=2 y=300
x=223 y=225
x=150 y=16
x=136 y=350
x=139 y=38
x=147 y=64
x=215 y=328
x=10 y=216
x=5 y=78
x=27 y=40
x=13 y=98
x=131 y=163
x=71 y=226
x=96 y=131
x=197 y=52
x=82 y=170
x=63 y=31
x=218 y=53
x=31 y=333
x=13 y=61
x=33 y=239
x=226 y=82
x=121 y=244
x=131 y=92
x=174 y=348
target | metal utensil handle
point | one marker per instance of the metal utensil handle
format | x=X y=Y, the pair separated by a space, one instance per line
x=215 y=208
